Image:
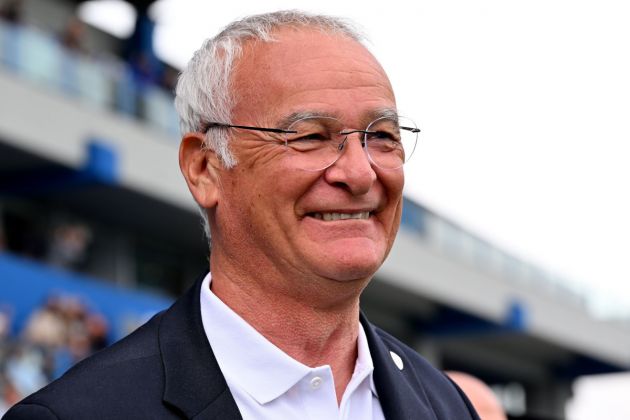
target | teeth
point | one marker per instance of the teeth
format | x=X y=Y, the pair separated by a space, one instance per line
x=364 y=215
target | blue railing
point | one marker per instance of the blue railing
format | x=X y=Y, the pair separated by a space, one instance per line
x=104 y=81
x=454 y=241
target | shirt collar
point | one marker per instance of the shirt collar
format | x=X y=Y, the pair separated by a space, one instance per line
x=252 y=362
x=364 y=365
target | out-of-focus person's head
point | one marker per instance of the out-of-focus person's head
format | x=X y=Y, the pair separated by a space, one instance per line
x=480 y=395
x=278 y=196
x=6 y=315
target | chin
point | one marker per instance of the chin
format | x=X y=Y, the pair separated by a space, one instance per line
x=347 y=269
x=345 y=259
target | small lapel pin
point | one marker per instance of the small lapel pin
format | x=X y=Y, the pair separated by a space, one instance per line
x=397 y=360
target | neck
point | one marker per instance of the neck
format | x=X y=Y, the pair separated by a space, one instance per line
x=311 y=330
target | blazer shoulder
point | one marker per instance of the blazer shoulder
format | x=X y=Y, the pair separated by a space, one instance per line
x=26 y=411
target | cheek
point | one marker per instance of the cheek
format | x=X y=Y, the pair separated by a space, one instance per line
x=290 y=184
x=393 y=182
x=272 y=195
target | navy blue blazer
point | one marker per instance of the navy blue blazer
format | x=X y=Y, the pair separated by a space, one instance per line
x=166 y=370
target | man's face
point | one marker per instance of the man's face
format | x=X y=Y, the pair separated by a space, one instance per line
x=270 y=212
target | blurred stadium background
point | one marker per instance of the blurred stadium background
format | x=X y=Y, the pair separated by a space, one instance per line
x=98 y=232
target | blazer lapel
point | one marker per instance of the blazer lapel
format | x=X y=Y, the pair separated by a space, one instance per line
x=193 y=380
x=399 y=400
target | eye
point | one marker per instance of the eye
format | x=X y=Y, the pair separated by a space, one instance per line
x=381 y=142
x=315 y=136
x=384 y=135
x=308 y=142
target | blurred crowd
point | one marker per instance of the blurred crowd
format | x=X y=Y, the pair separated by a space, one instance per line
x=58 y=334
x=137 y=50
x=71 y=37
x=62 y=330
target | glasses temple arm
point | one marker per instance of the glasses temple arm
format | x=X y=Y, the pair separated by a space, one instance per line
x=245 y=127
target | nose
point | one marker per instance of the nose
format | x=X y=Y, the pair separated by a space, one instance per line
x=352 y=170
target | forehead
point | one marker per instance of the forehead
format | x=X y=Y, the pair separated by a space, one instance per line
x=306 y=70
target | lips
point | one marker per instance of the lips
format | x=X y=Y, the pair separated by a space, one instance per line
x=332 y=216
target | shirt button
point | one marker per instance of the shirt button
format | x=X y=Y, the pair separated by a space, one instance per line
x=316 y=382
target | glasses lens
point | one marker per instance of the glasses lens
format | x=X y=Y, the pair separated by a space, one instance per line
x=314 y=143
x=391 y=141
x=312 y=147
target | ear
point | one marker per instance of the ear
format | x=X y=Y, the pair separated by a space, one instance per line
x=199 y=166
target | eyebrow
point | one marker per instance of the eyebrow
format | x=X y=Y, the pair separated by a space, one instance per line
x=391 y=113
x=299 y=115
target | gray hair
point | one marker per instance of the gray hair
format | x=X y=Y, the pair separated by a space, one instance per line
x=203 y=93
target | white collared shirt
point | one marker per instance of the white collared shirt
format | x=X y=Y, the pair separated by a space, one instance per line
x=268 y=384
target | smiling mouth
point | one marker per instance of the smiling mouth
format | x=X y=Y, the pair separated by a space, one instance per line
x=329 y=217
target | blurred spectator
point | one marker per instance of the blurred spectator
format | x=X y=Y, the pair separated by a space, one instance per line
x=139 y=51
x=65 y=324
x=77 y=339
x=11 y=11
x=145 y=68
x=98 y=330
x=9 y=395
x=73 y=36
x=68 y=246
x=5 y=322
x=25 y=369
x=79 y=344
x=46 y=326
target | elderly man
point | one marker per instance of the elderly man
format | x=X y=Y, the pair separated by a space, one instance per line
x=293 y=149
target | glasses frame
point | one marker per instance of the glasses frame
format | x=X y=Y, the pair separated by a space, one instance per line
x=246 y=127
x=345 y=133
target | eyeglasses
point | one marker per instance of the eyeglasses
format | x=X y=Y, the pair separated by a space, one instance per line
x=315 y=143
